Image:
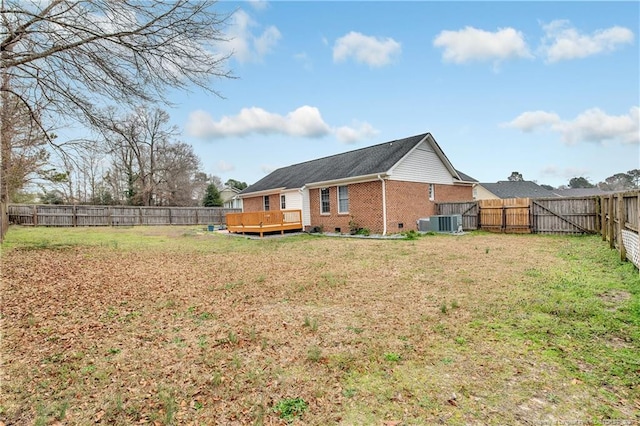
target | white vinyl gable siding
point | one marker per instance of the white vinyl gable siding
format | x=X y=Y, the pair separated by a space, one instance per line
x=294 y=199
x=422 y=165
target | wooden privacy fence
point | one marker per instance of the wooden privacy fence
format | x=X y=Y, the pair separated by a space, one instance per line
x=81 y=215
x=615 y=216
x=619 y=222
x=525 y=215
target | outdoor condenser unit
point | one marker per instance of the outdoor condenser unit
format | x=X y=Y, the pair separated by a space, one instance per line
x=441 y=223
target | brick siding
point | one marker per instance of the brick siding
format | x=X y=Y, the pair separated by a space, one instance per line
x=256 y=204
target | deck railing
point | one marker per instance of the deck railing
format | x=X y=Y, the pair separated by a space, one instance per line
x=264 y=221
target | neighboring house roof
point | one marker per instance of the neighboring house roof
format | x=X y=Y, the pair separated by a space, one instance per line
x=517 y=189
x=580 y=192
x=228 y=192
x=372 y=160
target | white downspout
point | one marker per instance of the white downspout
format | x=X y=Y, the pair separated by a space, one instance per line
x=384 y=206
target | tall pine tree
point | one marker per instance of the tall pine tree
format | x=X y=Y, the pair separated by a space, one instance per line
x=212 y=197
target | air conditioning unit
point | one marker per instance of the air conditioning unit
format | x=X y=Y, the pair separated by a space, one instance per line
x=441 y=223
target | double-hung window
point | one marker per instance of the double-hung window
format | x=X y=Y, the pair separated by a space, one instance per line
x=325 y=204
x=343 y=199
x=283 y=202
x=266 y=203
x=432 y=192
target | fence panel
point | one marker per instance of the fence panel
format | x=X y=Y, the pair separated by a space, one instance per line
x=55 y=215
x=468 y=210
x=564 y=215
x=155 y=216
x=82 y=215
x=93 y=216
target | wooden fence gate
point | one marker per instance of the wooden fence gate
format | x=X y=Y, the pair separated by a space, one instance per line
x=511 y=215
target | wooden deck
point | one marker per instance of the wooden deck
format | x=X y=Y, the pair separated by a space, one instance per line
x=264 y=221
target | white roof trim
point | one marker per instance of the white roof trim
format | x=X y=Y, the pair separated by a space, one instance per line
x=265 y=192
x=346 y=181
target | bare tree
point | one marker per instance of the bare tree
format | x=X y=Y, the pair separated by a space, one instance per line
x=156 y=169
x=178 y=173
x=27 y=153
x=80 y=55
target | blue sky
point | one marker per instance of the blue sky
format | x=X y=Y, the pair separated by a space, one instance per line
x=549 y=89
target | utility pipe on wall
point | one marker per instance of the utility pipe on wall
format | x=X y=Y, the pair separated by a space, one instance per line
x=384 y=206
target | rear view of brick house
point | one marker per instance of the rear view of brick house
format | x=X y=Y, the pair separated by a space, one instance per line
x=384 y=188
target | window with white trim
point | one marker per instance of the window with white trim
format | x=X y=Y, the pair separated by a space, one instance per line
x=343 y=199
x=432 y=192
x=283 y=202
x=325 y=204
x=266 y=203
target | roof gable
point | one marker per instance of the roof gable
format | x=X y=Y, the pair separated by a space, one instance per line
x=372 y=160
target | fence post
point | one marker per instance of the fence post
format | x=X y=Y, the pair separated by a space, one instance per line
x=610 y=225
x=35 y=215
x=598 y=209
x=638 y=224
x=74 y=216
x=621 y=225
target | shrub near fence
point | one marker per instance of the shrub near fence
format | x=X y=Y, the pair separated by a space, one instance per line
x=81 y=215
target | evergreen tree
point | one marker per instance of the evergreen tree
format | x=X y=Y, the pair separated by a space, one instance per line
x=212 y=197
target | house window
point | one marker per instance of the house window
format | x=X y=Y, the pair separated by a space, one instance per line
x=343 y=199
x=325 y=205
x=283 y=203
x=266 y=203
x=432 y=192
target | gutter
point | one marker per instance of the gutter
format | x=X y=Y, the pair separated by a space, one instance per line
x=384 y=205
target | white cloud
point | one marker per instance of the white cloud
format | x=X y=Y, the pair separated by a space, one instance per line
x=304 y=59
x=223 y=166
x=471 y=44
x=373 y=51
x=564 y=42
x=305 y=121
x=592 y=125
x=360 y=131
x=246 y=46
x=259 y=4
x=531 y=120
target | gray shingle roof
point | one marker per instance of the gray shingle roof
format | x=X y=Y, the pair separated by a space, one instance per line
x=465 y=177
x=361 y=162
x=517 y=189
x=580 y=192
